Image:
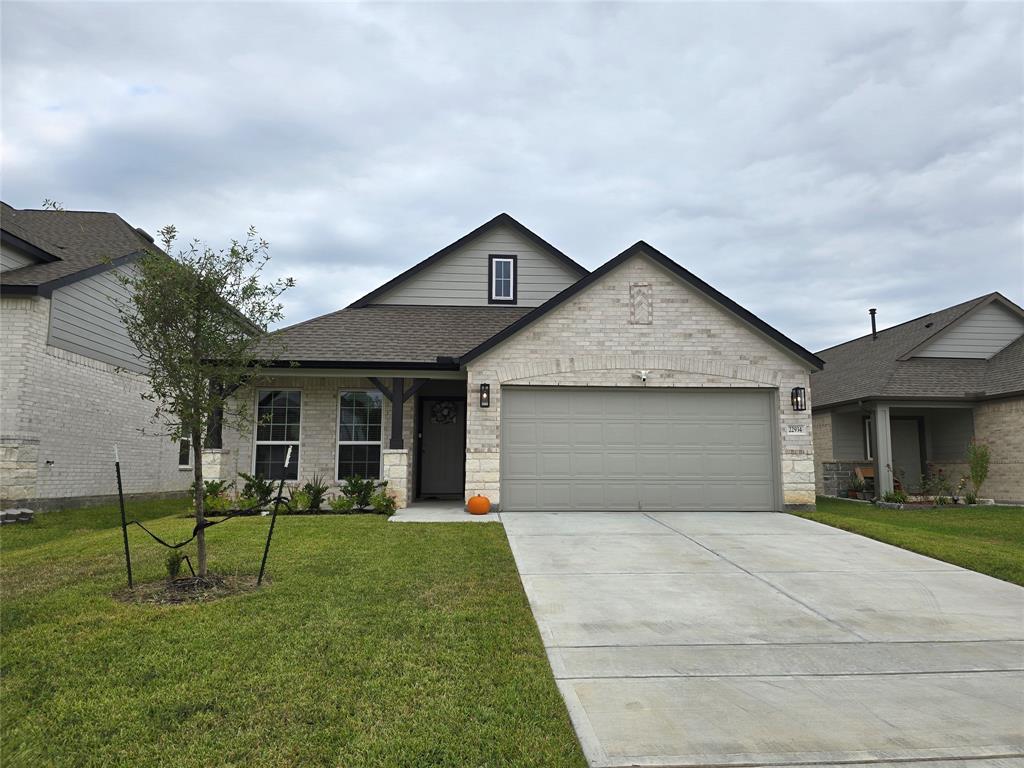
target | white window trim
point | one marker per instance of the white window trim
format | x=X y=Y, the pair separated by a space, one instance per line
x=189 y=464
x=256 y=423
x=495 y=259
x=340 y=442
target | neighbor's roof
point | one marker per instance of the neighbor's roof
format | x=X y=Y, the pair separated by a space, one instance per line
x=72 y=245
x=389 y=336
x=879 y=369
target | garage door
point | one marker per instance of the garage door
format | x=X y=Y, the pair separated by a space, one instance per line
x=636 y=449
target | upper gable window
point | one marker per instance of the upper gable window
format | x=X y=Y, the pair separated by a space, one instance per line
x=503 y=279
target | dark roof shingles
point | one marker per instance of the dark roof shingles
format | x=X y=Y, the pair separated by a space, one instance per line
x=391 y=333
x=80 y=240
x=865 y=369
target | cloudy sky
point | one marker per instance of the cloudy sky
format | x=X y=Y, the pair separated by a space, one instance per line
x=810 y=160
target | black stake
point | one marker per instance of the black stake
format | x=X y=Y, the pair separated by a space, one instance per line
x=273 y=517
x=124 y=522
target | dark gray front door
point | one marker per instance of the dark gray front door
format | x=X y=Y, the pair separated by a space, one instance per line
x=442 y=439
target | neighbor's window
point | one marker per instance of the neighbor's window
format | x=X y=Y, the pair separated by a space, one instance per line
x=503 y=279
x=359 y=432
x=184 y=454
x=277 y=427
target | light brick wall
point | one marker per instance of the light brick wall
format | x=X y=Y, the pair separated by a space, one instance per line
x=588 y=340
x=1000 y=424
x=61 y=414
x=822 y=431
x=318 y=429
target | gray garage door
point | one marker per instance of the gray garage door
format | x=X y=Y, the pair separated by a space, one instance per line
x=649 y=449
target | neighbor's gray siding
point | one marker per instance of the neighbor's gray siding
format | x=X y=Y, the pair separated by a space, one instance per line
x=460 y=278
x=12 y=259
x=84 y=319
x=981 y=335
x=847 y=437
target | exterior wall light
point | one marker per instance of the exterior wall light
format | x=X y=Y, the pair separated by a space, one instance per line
x=799 y=399
x=485 y=395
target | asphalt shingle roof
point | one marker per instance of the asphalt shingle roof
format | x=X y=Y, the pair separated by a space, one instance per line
x=865 y=369
x=80 y=240
x=391 y=334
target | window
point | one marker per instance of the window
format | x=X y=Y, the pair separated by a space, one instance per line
x=184 y=454
x=359 y=432
x=278 y=413
x=502 y=278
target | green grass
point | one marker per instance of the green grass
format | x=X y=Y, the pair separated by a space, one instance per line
x=376 y=644
x=985 y=539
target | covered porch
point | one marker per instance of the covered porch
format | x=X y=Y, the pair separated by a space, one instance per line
x=403 y=426
x=899 y=444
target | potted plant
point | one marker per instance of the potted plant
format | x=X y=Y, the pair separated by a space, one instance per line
x=856 y=489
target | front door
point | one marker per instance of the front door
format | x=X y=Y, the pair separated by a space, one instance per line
x=906 y=453
x=442 y=446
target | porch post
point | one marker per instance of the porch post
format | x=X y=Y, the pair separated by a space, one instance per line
x=397 y=408
x=883 y=451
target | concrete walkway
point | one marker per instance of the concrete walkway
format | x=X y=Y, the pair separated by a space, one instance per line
x=765 y=639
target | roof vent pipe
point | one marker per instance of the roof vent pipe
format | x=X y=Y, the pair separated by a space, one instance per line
x=874 y=331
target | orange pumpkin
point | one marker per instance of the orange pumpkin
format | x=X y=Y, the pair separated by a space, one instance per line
x=478 y=505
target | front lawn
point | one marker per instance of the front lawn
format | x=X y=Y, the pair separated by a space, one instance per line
x=376 y=644
x=985 y=539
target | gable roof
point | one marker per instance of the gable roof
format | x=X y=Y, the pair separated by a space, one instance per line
x=72 y=245
x=502 y=219
x=390 y=336
x=884 y=368
x=642 y=248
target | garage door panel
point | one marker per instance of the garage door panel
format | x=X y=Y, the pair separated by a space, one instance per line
x=637 y=449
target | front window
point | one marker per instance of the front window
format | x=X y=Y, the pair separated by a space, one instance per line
x=278 y=414
x=359 y=434
x=503 y=279
x=184 y=454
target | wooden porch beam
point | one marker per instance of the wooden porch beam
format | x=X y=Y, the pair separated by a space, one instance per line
x=416 y=384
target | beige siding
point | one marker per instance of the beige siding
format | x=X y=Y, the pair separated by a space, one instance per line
x=981 y=335
x=84 y=319
x=12 y=259
x=460 y=278
x=1000 y=424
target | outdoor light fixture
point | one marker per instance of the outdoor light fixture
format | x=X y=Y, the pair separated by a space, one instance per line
x=799 y=398
x=485 y=395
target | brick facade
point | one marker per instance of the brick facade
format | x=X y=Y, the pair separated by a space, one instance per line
x=822 y=430
x=1000 y=424
x=590 y=341
x=61 y=414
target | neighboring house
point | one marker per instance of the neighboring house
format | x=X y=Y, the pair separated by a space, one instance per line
x=70 y=386
x=909 y=400
x=500 y=366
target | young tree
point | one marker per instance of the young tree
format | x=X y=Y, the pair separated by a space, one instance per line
x=199 y=319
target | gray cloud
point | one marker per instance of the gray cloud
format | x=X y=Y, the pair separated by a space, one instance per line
x=808 y=160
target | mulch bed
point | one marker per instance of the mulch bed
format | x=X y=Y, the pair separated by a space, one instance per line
x=189 y=589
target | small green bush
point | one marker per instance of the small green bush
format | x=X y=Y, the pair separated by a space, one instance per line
x=978 y=457
x=257 y=492
x=298 y=501
x=895 y=497
x=971 y=497
x=316 y=493
x=383 y=501
x=173 y=562
x=341 y=504
x=360 y=491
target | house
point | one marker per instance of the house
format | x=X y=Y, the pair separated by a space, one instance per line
x=500 y=366
x=908 y=400
x=70 y=379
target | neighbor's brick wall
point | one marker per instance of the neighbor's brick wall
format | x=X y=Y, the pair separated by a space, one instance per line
x=1000 y=424
x=318 y=428
x=822 y=431
x=589 y=340
x=60 y=407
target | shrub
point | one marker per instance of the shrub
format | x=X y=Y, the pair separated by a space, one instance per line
x=173 y=562
x=971 y=497
x=341 y=504
x=978 y=457
x=298 y=501
x=384 y=501
x=895 y=497
x=360 y=491
x=857 y=484
x=257 y=492
x=316 y=493
x=215 y=496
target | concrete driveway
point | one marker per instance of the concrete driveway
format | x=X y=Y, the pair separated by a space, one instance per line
x=696 y=638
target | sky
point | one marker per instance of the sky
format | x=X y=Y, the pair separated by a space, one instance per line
x=808 y=160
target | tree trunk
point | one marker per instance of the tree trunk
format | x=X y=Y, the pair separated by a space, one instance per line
x=195 y=438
